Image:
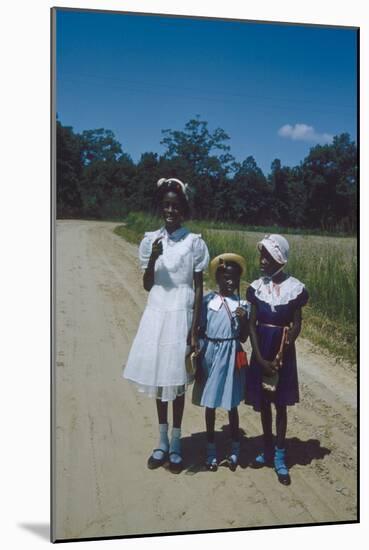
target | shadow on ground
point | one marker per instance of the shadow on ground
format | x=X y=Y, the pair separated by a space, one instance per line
x=298 y=451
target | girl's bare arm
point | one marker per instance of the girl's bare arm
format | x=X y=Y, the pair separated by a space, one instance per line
x=267 y=366
x=244 y=323
x=295 y=328
x=198 y=281
x=148 y=277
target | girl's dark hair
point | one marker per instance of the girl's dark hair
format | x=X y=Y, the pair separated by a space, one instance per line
x=174 y=187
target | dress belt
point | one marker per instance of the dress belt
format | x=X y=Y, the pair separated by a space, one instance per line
x=274 y=326
x=174 y=285
x=219 y=339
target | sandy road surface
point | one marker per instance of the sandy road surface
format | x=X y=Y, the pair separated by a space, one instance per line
x=105 y=430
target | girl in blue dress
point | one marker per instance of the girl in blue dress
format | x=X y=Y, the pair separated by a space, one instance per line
x=275 y=323
x=221 y=382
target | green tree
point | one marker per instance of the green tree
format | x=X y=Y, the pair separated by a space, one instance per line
x=251 y=196
x=279 y=179
x=105 y=187
x=142 y=187
x=199 y=147
x=106 y=176
x=68 y=172
x=204 y=160
x=297 y=197
x=330 y=177
x=99 y=145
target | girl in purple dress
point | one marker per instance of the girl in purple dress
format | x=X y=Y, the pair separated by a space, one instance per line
x=275 y=322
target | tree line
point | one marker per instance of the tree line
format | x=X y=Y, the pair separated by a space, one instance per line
x=97 y=179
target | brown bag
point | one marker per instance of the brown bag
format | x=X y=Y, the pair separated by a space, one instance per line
x=192 y=363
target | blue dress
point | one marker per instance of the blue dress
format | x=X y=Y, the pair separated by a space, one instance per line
x=222 y=384
x=275 y=305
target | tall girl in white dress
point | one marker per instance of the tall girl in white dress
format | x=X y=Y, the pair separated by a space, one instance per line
x=173 y=260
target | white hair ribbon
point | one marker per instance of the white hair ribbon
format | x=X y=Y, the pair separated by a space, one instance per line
x=184 y=186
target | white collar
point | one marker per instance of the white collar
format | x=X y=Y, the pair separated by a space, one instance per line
x=215 y=303
x=277 y=294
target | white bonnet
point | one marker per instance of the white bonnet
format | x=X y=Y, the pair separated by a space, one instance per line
x=277 y=246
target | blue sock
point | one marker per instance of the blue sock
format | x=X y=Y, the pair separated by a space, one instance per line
x=175 y=446
x=235 y=451
x=211 y=453
x=163 y=442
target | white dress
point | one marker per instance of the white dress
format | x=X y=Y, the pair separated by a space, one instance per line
x=156 y=361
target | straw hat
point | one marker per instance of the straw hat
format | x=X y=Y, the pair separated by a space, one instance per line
x=224 y=258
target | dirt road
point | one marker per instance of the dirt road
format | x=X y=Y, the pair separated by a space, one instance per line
x=105 y=431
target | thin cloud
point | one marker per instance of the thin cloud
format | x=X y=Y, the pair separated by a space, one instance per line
x=303 y=132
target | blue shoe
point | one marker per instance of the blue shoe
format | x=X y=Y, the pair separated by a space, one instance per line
x=175 y=454
x=232 y=458
x=280 y=466
x=263 y=460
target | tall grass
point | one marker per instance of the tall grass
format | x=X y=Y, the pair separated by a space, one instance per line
x=327 y=266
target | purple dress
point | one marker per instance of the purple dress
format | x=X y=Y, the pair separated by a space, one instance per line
x=275 y=305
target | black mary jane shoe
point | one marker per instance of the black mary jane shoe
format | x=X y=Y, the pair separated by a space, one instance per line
x=175 y=467
x=232 y=463
x=154 y=463
x=212 y=465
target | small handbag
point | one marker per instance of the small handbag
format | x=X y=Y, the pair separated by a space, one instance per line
x=241 y=359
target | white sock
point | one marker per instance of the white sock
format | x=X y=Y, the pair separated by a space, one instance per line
x=175 y=445
x=163 y=442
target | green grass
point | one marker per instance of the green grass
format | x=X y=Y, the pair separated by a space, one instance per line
x=327 y=266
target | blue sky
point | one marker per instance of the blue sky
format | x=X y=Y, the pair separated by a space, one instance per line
x=276 y=89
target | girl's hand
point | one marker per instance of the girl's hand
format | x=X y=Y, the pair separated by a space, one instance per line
x=195 y=343
x=276 y=363
x=240 y=312
x=269 y=368
x=157 y=248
